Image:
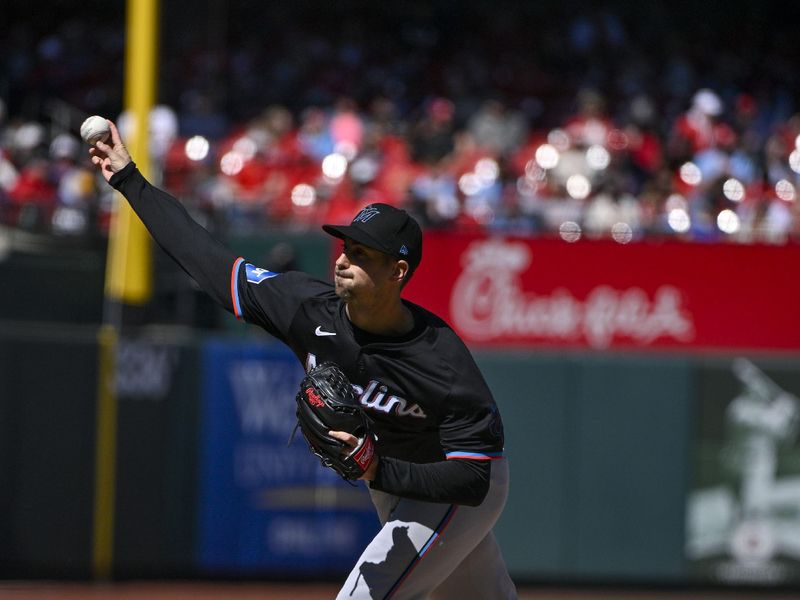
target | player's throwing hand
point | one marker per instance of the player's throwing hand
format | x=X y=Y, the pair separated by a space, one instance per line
x=110 y=158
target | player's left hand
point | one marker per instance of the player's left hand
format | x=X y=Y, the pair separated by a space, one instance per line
x=352 y=442
x=326 y=402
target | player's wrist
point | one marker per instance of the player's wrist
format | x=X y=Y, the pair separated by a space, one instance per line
x=122 y=174
x=372 y=469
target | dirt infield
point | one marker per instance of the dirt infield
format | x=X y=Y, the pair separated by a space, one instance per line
x=252 y=591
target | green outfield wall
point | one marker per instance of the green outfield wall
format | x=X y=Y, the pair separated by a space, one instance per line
x=599 y=455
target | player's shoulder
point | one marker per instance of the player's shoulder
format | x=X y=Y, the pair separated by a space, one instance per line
x=430 y=318
x=447 y=356
x=442 y=335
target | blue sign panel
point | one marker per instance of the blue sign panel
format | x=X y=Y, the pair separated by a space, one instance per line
x=266 y=506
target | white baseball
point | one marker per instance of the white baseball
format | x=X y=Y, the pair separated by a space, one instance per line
x=95 y=129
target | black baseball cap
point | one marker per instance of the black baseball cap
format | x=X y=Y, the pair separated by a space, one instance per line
x=386 y=228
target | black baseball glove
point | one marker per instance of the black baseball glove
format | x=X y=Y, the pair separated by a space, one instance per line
x=326 y=402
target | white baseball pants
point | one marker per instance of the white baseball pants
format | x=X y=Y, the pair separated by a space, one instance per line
x=426 y=550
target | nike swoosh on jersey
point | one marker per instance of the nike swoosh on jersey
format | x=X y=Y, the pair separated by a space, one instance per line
x=318 y=331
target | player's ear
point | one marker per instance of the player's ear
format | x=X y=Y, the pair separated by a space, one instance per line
x=400 y=271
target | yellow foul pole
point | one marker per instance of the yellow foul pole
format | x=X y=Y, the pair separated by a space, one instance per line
x=128 y=270
x=128 y=276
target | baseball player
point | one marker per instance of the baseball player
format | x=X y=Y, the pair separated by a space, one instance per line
x=439 y=480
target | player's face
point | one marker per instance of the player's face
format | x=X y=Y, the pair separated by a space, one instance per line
x=361 y=271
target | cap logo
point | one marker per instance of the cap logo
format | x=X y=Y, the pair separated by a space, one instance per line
x=403 y=250
x=366 y=214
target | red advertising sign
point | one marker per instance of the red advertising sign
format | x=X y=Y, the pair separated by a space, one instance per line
x=605 y=295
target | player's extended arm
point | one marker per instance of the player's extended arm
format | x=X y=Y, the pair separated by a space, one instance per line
x=204 y=258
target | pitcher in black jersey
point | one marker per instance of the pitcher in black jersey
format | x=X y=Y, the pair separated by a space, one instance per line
x=440 y=480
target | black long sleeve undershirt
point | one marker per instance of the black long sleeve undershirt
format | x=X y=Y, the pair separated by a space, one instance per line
x=209 y=262
x=204 y=258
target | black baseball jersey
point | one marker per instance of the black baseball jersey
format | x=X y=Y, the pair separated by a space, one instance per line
x=436 y=423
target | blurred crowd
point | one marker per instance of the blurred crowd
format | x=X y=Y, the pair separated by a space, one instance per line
x=588 y=125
